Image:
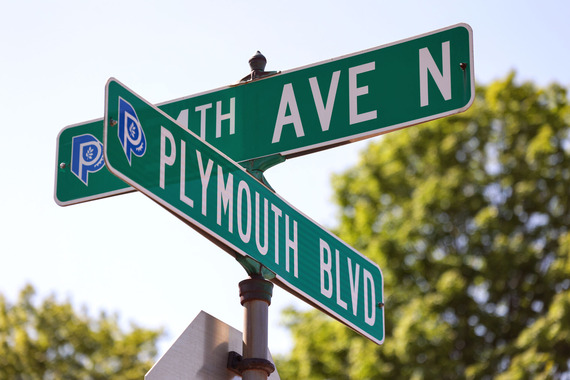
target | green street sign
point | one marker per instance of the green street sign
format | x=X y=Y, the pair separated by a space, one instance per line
x=338 y=101
x=214 y=195
x=80 y=172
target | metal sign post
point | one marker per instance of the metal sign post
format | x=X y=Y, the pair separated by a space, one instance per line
x=255 y=296
x=201 y=353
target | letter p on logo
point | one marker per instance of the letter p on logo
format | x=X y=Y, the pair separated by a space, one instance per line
x=86 y=156
x=130 y=132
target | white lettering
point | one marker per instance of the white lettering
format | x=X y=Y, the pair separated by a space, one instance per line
x=182 y=118
x=326 y=268
x=339 y=301
x=183 y=196
x=277 y=211
x=204 y=178
x=291 y=244
x=372 y=301
x=353 y=284
x=324 y=112
x=354 y=92
x=230 y=116
x=243 y=187
x=262 y=248
x=164 y=159
x=288 y=100
x=202 y=109
x=442 y=79
x=225 y=198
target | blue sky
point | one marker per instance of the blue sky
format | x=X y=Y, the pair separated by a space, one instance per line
x=128 y=255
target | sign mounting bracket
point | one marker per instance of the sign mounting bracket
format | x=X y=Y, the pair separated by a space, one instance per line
x=257 y=166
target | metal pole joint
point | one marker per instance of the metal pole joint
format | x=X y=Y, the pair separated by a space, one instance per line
x=255 y=288
x=255 y=296
x=237 y=364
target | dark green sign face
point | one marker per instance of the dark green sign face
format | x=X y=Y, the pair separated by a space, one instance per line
x=338 y=101
x=217 y=197
x=81 y=174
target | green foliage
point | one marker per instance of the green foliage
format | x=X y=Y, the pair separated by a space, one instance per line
x=468 y=218
x=53 y=341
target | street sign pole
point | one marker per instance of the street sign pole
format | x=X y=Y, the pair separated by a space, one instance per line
x=256 y=292
x=255 y=297
x=201 y=353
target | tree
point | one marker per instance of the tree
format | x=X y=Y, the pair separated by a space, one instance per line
x=53 y=341
x=468 y=218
